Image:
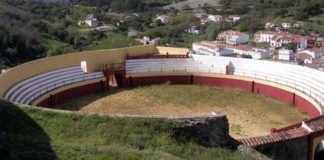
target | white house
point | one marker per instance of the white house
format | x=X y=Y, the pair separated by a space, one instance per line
x=147 y=40
x=215 y=48
x=305 y=57
x=263 y=36
x=194 y=30
x=91 y=22
x=210 y=48
x=285 y=54
x=269 y=25
x=286 y=25
x=315 y=53
x=215 y=18
x=234 y=37
x=163 y=18
x=255 y=53
x=234 y=19
x=297 y=25
x=283 y=38
x=103 y=28
x=258 y=53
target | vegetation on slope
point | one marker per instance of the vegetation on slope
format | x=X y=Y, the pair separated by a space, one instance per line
x=27 y=133
x=23 y=23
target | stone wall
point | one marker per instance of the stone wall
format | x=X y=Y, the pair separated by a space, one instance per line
x=296 y=149
x=252 y=152
x=207 y=131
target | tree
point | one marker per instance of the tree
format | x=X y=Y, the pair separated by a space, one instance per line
x=212 y=31
x=292 y=46
x=157 y=23
x=250 y=24
x=247 y=56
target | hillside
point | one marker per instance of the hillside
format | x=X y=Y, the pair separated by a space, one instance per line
x=33 y=134
x=192 y=4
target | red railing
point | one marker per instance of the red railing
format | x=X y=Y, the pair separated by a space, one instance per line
x=155 y=56
x=296 y=125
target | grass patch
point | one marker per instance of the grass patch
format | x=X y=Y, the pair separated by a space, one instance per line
x=236 y=128
x=55 y=47
x=32 y=134
x=113 y=41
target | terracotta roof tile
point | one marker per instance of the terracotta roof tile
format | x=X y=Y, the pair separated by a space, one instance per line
x=303 y=56
x=232 y=32
x=316 y=124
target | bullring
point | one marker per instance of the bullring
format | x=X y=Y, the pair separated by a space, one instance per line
x=62 y=79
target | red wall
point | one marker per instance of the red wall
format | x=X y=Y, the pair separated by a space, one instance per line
x=265 y=90
x=223 y=82
x=141 y=81
x=71 y=93
x=274 y=93
x=262 y=89
x=306 y=106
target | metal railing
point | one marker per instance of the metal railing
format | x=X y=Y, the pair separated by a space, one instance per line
x=59 y=84
x=292 y=82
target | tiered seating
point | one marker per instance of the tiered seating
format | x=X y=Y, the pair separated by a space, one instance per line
x=304 y=79
x=301 y=78
x=28 y=90
x=165 y=65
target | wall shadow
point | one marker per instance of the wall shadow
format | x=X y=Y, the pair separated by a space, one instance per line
x=21 y=137
x=88 y=99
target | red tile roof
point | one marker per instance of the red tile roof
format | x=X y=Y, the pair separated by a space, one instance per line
x=303 y=56
x=310 y=65
x=318 y=60
x=210 y=44
x=232 y=32
x=316 y=50
x=288 y=36
x=241 y=47
x=266 y=32
x=315 y=124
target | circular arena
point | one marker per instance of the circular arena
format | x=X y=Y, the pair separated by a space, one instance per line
x=297 y=92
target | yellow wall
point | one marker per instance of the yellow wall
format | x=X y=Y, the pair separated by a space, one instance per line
x=94 y=59
x=172 y=51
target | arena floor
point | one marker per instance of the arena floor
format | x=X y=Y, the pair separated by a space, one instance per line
x=249 y=114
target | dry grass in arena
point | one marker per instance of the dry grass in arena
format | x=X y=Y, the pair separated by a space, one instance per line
x=249 y=114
